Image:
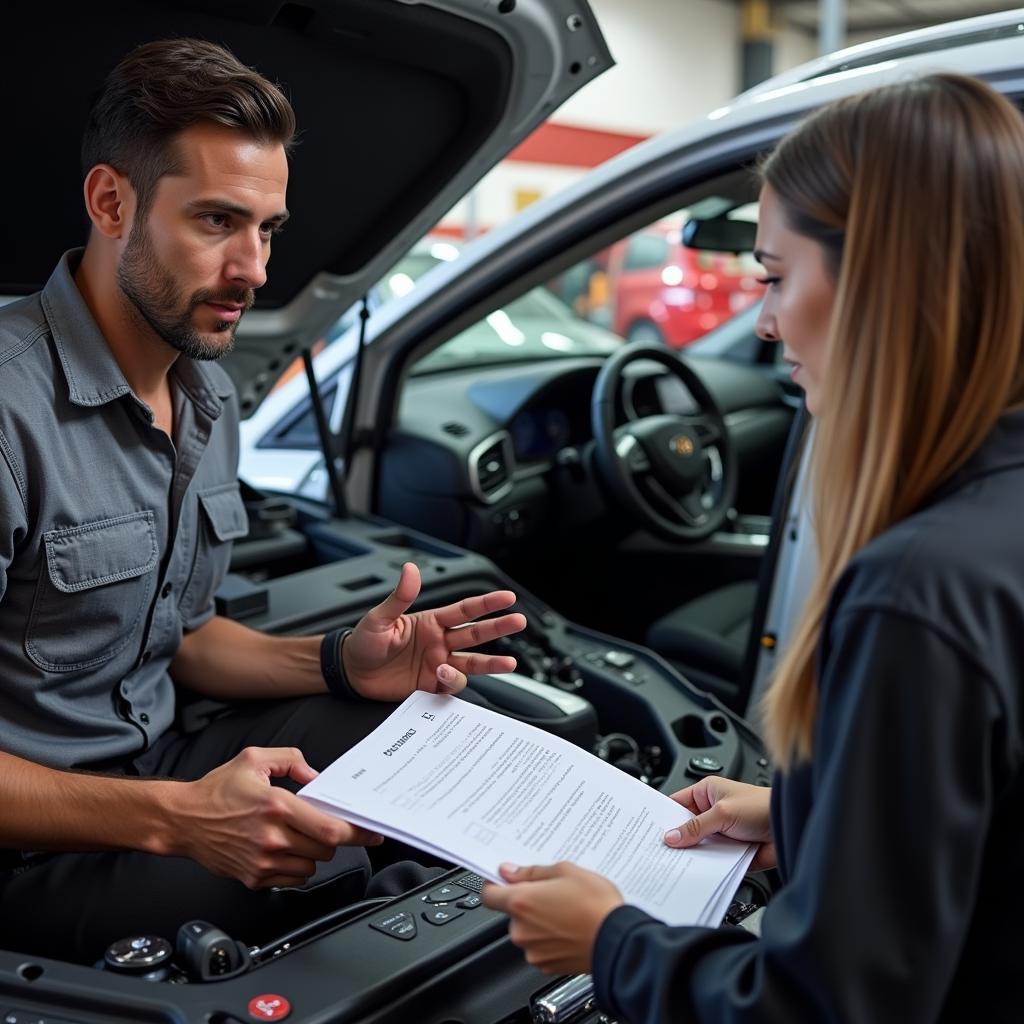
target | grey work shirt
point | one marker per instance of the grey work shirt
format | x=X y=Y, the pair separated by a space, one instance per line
x=113 y=538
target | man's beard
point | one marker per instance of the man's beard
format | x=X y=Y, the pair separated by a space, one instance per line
x=154 y=295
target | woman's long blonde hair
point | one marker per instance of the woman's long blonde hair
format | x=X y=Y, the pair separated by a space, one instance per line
x=916 y=193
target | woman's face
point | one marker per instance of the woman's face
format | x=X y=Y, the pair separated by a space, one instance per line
x=799 y=296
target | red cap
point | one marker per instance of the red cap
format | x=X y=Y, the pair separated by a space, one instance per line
x=269 y=1007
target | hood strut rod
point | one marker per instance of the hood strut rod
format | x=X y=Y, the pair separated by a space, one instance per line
x=329 y=442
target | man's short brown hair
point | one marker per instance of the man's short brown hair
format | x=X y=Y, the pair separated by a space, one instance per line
x=162 y=88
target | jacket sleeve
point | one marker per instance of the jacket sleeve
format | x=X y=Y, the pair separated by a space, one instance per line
x=883 y=882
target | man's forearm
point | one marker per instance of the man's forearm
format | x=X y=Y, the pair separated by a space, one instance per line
x=47 y=809
x=228 y=661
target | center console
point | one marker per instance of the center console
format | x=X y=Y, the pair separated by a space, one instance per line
x=679 y=732
x=434 y=955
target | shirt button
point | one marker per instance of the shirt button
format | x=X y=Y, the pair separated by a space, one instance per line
x=166 y=592
x=144 y=718
x=146 y=656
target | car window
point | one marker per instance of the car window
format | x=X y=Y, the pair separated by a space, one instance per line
x=299 y=431
x=651 y=287
x=537 y=325
x=648 y=287
x=646 y=252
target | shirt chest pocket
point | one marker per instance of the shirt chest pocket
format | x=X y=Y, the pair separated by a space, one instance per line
x=93 y=591
x=222 y=519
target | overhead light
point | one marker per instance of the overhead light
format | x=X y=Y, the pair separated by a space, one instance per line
x=401 y=284
x=505 y=329
x=444 y=251
x=558 y=342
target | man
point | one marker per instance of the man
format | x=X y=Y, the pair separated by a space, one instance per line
x=118 y=503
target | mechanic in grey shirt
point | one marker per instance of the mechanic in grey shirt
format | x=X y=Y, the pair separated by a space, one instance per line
x=114 y=534
x=118 y=505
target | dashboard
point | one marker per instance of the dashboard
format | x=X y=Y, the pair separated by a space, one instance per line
x=485 y=458
x=544 y=428
x=539 y=434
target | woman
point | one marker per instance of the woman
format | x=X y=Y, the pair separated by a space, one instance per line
x=892 y=234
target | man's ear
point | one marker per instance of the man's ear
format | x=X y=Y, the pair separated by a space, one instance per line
x=109 y=200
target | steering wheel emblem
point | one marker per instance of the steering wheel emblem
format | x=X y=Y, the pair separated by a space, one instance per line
x=682 y=446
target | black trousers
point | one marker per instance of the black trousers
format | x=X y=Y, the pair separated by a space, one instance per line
x=73 y=905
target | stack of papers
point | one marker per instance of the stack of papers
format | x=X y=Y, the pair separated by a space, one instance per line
x=479 y=789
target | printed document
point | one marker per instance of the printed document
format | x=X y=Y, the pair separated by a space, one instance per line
x=478 y=789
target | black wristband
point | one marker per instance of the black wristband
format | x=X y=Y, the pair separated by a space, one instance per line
x=333 y=668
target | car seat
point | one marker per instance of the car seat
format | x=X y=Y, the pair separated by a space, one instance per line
x=715 y=639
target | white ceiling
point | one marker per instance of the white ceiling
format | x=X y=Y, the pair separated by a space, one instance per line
x=882 y=17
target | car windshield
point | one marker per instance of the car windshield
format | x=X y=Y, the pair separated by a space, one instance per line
x=648 y=287
x=537 y=325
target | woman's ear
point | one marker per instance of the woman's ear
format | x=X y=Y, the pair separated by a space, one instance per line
x=109 y=200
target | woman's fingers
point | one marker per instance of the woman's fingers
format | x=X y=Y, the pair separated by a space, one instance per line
x=708 y=823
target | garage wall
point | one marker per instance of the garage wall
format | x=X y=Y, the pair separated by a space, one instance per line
x=676 y=60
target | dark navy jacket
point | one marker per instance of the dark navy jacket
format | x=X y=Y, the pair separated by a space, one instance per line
x=902 y=843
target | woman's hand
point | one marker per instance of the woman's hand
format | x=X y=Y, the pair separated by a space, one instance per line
x=556 y=912
x=734 y=809
x=391 y=653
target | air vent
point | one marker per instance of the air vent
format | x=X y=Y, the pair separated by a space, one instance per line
x=490 y=467
x=455 y=429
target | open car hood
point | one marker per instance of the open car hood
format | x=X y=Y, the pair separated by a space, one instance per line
x=402 y=106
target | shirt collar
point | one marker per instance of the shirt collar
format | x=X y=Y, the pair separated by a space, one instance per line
x=93 y=374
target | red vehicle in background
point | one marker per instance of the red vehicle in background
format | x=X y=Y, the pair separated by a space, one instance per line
x=659 y=290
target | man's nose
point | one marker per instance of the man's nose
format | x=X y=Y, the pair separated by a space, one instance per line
x=247 y=261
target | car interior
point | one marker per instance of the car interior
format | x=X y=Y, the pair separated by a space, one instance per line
x=503 y=451
x=637 y=570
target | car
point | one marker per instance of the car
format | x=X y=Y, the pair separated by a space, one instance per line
x=484 y=464
x=664 y=292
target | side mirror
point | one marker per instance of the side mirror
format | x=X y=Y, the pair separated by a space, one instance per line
x=719 y=234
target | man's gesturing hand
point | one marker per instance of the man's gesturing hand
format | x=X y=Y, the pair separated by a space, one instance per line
x=234 y=823
x=391 y=653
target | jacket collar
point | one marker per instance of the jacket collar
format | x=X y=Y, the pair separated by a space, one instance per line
x=1003 y=449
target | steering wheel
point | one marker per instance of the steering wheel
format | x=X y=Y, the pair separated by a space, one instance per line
x=676 y=474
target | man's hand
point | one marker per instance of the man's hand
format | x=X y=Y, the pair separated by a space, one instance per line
x=392 y=653
x=234 y=823
x=734 y=809
x=556 y=913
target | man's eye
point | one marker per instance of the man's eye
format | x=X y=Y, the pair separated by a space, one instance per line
x=216 y=220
